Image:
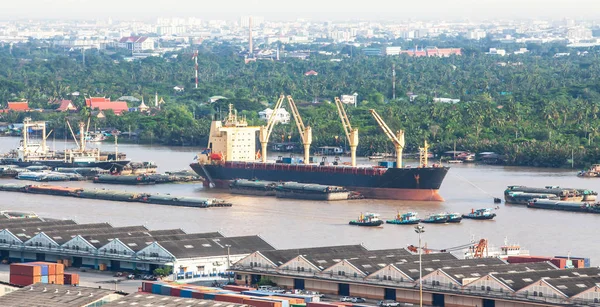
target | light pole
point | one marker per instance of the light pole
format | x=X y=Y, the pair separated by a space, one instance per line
x=228 y=262
x=419 y=229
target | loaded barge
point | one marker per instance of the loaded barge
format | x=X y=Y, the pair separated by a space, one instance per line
x=293 y=190
x=231 y=154
x=564 y=205
x=103 y=194
x=522 y=195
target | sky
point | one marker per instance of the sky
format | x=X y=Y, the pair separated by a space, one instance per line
x=310 y=9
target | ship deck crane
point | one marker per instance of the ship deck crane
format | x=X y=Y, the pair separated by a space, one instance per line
x=351 y=134
x=477 y=247
x=397 y=138
x=305 y=132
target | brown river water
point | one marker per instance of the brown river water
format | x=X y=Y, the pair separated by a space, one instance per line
x=298 y=223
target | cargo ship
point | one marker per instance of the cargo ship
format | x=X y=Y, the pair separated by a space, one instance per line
x=31 y=152
x=231 y=154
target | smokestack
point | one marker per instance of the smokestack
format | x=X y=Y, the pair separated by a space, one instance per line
x=250 y=49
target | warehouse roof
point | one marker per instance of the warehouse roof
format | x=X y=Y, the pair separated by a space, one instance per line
x=216 y=246
x=187 y=236
x=371 y=264
x=319 y=256
x=573 y=285
x=150 y=300
x=412 y=269
x=62 y=236
x=169 y=232
x=7 y=222
x=27 y=233
x=518 y=281
x=462 y=273
x=35 y=224
x=49 y=295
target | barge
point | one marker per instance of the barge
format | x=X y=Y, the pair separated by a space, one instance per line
x=564 y=205
x=124 y=179
x=523 y=195
x=253 y=187
x=112 y=195
x=310 y=191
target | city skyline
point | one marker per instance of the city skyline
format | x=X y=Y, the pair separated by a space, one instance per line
x=310 y=9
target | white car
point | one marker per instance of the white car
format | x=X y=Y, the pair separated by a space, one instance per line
x=345 y=299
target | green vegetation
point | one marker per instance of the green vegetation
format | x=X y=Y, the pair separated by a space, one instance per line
x=537 y=110
x=265 y=281
x=162 y=272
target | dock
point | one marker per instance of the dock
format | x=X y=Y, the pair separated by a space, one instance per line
x=115 y=195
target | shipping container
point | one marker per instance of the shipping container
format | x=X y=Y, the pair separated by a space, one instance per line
x=51 y=267
x=165 y=290
x=71 y=279
x=238 y=288
x=284 y=302
x=21 y=280
x=261 y=303
x=156 y=288
x=257 y=293
x=175 y=291
x=185 y=293
x=297 y=305
x=237 y=299
x=578 y=262
x=60 y=268
x=52 y=279
x=320 y=304
x=209 y=296
x=60 y=279
x=44 y=279
x=147 y=287
x=197 y=294
x=25 y=269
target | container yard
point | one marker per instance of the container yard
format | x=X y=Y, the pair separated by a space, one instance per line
x=113 y=195
x=24 y=274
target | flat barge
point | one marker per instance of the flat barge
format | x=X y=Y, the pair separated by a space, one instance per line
x=297 y=190
x=253 y=187
x=145 y=179
x=572 y=206
x=113 y=195
x=522 y=195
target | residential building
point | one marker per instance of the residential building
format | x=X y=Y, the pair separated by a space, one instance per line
x=18 y=106
x=136 y=44
x=393 y=50
x=281 y=116
x=476 y=34
x=66 y=106
x=494 y=51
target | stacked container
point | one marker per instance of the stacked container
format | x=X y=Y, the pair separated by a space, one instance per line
x=24 y=274
x=71 y=279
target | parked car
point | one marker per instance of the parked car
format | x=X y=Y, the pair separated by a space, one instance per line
x=345 y=299
x=358 y=300
x=388 y=303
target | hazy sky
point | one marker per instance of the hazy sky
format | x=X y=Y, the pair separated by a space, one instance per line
x=317 y=9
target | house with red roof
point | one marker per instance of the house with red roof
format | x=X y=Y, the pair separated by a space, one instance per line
x=136 y=43
x=18 y=106
x=66 y=106
x=311 y=73
x=103 y=104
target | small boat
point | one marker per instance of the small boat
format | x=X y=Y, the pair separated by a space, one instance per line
x=377 y=156
x=439 y=218
x=454 y=217
x=480 y=214
x=405 y=219
x=368 y=219
x=455 y=161
x=593 y=171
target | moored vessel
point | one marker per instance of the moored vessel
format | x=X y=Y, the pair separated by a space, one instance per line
x=409 y=218
x=480 y=214
x=438 y=218
x=454 y=217
x=231 y=154
x=367 y=219
x=253 y=187
x=573 y=206
x=523 y=194
x=310 y=191
x=593 y=171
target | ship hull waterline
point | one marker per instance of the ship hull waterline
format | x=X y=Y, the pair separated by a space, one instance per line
x=415 y=184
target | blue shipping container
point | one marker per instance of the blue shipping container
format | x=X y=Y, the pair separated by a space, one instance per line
x=156 y=288
x=44 y=269
x=185 y=293
x=209 y=296
x=165 y=290
x=45 y=279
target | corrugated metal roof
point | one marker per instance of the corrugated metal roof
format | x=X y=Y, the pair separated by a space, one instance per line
x=49 y=295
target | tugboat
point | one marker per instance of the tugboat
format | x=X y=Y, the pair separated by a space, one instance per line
x=480 y=214
x=593 y=171
x=405 y=219
x=440 y=218
x=454 y=217
x=368 y=219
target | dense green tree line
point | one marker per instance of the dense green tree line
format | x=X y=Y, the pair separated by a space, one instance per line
x=534 y=108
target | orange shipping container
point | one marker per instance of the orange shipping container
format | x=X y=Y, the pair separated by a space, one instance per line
x=52 y=279
x=60 y=268
x=51 y=266
x=238 y=288
x=60 y=279
x=261 y=303
x=238 y=299
x=292 y=300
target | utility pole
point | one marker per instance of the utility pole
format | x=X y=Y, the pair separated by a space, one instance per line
x=393 y=81
x=83 y=52
x=419 y=229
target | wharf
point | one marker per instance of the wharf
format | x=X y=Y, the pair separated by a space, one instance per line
x=113 y=195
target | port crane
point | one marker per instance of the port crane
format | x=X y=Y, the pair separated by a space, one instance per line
x=351 y=133
x=396 y=138
x=477 y=248
x=305 y=132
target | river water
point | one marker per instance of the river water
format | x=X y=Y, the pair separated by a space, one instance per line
x=297 y=223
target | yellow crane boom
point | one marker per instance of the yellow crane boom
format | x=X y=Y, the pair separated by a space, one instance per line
x=397 y=138
x=305 y=132
x=351 y=134
x=265 y=131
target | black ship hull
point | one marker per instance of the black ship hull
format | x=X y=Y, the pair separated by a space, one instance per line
x=420 y=184
x=116 y=166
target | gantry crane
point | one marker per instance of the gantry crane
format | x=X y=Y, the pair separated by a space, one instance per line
x=397 y=138
x=351 y=134
x=305 y=132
